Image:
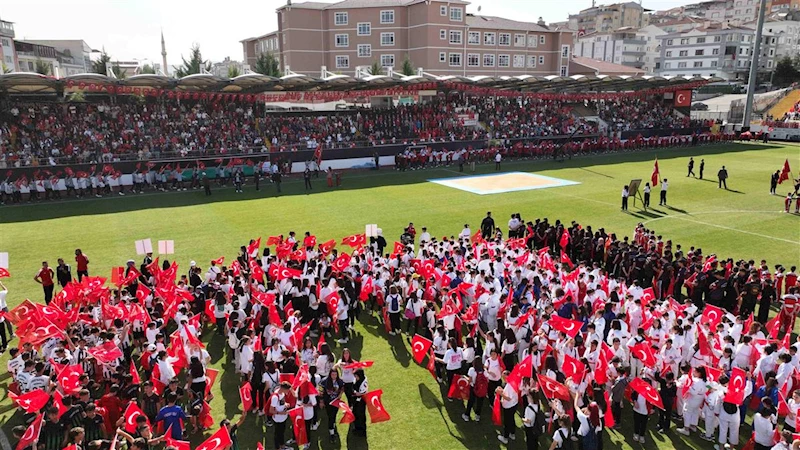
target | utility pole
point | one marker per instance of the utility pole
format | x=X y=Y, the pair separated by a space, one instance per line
x=753 y=80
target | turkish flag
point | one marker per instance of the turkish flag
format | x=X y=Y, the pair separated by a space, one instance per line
x=522 y=370
x=712 y=315
x=736 y=386
x=219 y=261
x=497 y=415
x=359 y=365
x=565 y=259
x=69 y=378
x=299 y=425
x=131 y=413
x=431 y=364
x=341 y=263
x=32 y=401
x=785 y=172
x=398 y=248
x=218 y=441
x=58 y=401
x=250 y=249
x=655 y=174
x=683 y=98
x=299 y=333
x=246 y=393
x=377 y=413
x=573 y=368
x=552 y=388
x=21 y=312
x=569 y=327
x=459 y=388
x=31 y=434
x=366 y=289
x=356 y=240
x=326 y=247
x=136 y=379
x=648 y=295
x=564 y=240
x=180 y=445
x=601 y=368
x=648 y=391
x=609 y=416
x=347 y=413
x=4 y=273
x=274 y=240
x=211 y=376
x=644 y=353
x=713 y=373
x=419 y=347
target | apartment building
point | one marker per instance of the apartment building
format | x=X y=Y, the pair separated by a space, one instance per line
x=716 y=49
x=606 y=18
x=438 y=36
x=254 y=47
x=623 y=46
x=787 y=36
x=779 y=6
x=8 y=55
x=652 y=47
x=76 y=51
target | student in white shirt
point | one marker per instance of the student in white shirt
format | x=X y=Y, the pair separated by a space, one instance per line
x=452 y=359
x=508 y=401
x=279 y=410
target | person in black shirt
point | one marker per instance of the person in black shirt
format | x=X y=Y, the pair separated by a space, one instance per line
x=93 y=424
x=53 y=434
x=73 y=417
x=233 y=429
x=307 y=180
x=768 y=297
x=151 y=402
x=63 y=273
x=487 y=226
x=669 y=392
x=773 y=182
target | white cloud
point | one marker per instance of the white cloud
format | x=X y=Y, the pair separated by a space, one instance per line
x=130 y=29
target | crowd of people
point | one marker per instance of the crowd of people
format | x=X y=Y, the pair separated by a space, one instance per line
x=64 y=133
x=562 y=328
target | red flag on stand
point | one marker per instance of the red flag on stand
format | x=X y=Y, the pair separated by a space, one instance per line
x=785 y=172
x=655 y=175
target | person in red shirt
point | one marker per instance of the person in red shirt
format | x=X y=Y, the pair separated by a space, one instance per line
x=45 y=278
x=83 y=264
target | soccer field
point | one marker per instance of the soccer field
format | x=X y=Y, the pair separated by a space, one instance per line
x=744 y=222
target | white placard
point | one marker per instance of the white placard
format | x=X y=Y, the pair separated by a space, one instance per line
x=166 y=247
x=4 y=260
x=144 y=246
x=371 y=230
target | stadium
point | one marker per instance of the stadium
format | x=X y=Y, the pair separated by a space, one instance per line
x=385 y=261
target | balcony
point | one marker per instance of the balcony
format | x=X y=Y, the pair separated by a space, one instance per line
x=6 y=29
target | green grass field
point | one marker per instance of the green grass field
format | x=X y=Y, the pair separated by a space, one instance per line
x=744 y=222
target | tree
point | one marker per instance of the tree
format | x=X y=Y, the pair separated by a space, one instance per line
x=101 y=65
x=408 y=68
x=786 y=72
x=268 y=65
x=233 y=72
x=4 y=68
x=147 y=68
x=42 y=67
x=193 y=65
x=376 y=68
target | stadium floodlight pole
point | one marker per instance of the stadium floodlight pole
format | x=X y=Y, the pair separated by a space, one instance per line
x=753 y=79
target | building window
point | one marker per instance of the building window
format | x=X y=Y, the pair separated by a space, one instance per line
x=387 y=39
x=387 y=16
x=519 y=61
x=387 y=60
x=542 y=39
x=488 y=38
x=683 y=53
x=667 y=65
x=443 y=10
x=715 y=51
x=474 y=38
x=455 y=37
x=364 y=29
x=473 y=60
x=505 y=39
x=519 y=40
x=364 y=50
x=533 y=40
x=442 y=34
x=682 y=65
x=717 y=38
x=541 y=60
x=669 y=54
x=342 y=40
x=340 y=18
x=699 y=52
x=456 y=15
x=532 y=62
x=701 y=40
x=565 y=51
x=455 y=59
x=503 y=60
x=685 y=41
x=342 y=62
x=669 y=42
x=714 y=63
x=698 y=64
x=488 y=60
x=442 y=57
x=564 y=71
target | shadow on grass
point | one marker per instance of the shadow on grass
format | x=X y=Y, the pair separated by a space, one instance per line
x=293 y=186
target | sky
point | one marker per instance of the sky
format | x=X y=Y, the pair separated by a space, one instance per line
x=130 y=29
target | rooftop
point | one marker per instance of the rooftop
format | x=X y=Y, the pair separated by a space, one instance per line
x=474 y=21
x=606 y=67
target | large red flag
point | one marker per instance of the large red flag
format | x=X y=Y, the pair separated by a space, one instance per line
x=246 y=393
x=419 y=347
x=609 y=416
x=601 y=368
x=211 y=375
x=552 y=388
x=131 y=413
x=569 y=327
x=520 y=371
x=644 y=353
x=347 y=413
x=32 y=401
x=655 y=175
x=573 y=368
x=31 y=434
x=785 y=173
x=497 y=415
x=377 y=413
x=218 y=441
x=712 y=315
x=736 y=386
x=650 y=393
x=459 y=388
x=299 y=426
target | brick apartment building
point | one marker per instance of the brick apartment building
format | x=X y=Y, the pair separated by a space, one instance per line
x=438 y=36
